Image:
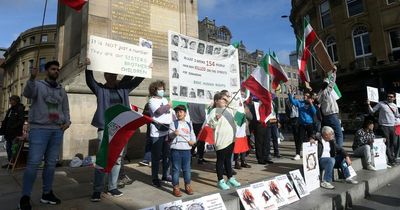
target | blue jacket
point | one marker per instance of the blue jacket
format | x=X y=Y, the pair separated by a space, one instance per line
x=124 y=87
x=306 y=111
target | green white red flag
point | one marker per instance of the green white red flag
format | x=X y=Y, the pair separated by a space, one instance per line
x=278 y=75
x=120 y=124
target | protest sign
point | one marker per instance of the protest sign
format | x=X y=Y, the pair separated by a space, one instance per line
x=199 y=69
x=171 y=205
x=311 y=166
x=299 y=183
x=117 y=57
x=373 y=94
x=288 y=190
x=213 y=202
x=379 y=149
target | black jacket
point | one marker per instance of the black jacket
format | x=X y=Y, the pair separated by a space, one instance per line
x=13 y=122
x=334 y=149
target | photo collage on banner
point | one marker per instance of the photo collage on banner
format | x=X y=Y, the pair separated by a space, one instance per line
x=199 y=69
x=311 y=166
x=299 y=183
x=379 y=154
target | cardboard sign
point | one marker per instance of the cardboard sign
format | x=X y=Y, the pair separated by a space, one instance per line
x=323 y=57
x=373 y=94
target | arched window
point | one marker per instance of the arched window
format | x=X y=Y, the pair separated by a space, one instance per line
x=362 y=46
x=331 y=47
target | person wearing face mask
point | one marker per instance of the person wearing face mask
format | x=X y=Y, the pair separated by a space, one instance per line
x=109 y=94
x=160 y=111
x=307 y=111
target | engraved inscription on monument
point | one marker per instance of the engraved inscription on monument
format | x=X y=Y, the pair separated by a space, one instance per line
x=149 y=19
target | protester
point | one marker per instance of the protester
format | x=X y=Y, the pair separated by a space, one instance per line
x=111 y=93
x=330 y=108
x=272 y=126
x=306 y=114
x=388 y=114
x=262 y=135
x=183 y=138
x=161 y=114
x=221 y=119
x=12 y=125
x=292 y=113
x=48 y=118
x=363 y=145
x=197 y=114
x=331 y=156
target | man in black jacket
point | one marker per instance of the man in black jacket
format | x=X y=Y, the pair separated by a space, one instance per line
x=12 y=124
x=331 y=156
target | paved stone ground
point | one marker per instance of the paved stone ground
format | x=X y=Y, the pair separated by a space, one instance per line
x=74 y=185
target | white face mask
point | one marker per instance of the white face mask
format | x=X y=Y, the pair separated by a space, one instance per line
x=160 y=93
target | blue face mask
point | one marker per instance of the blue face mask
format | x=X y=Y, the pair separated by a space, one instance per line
x=160 y=93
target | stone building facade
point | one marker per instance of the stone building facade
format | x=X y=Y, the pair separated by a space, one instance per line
x=363 y=39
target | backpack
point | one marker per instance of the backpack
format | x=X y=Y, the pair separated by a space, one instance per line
x=176 y=125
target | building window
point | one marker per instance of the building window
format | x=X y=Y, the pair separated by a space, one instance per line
x=395 y=39
x=325 y=14
x=44 y=38
x=32 y=40
x=331 y=47
x=23 y=68
x=354 y=7
x=30 y=67
x=361 y=43
x=42 y=62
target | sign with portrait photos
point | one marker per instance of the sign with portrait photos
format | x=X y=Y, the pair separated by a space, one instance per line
x=199 y=69
x=311 y=165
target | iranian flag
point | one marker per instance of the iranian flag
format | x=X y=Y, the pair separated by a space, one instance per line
x=75 y=4
x=241 y=143
x=309 y=34
x=258 y=84
x=120 y=124
x=336 y=92
x=278 y=75
x=302 y=57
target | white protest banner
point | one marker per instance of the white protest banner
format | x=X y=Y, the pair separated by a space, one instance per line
x=278 y=192
x=373 y=94
x=288 y=190
x=311 y=166
x=199 y=69
x=379 y=154
x=194 y=204
x=171 y=205
x=299 y=183
x=213 y=202
x=262 y=192
x=249 y=199
x=398 y=99
x=117 y=57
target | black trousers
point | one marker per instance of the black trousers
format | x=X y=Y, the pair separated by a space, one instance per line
x=305 y=132
x=274 y=137
x=224 y=162
x=200 y=144
x=388 y=133
x=241 y=155
x=263 y=142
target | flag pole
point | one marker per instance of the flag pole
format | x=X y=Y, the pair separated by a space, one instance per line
x=41 y=33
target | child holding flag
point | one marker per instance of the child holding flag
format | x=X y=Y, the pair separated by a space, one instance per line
x=183 y=138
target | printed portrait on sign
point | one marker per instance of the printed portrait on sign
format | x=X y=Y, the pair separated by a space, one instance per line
x=174 y=55
x=175 y=40
x=209 y=49
x=192 y=45
x=183 y=91
x=201 y=48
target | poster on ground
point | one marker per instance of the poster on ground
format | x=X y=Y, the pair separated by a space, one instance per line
x=379 y=149
x=373 y=94
x=277 y=192
x=299 y=183
x=288 y=189
x=171 y=205
x=149 y=208
x=196 y=204
x=311 y=166
x=107 y=55
x=250 y=200
x=213 y=202
x=263 y=193
x=199 y=69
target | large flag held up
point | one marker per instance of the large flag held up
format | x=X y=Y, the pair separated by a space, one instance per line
x=303 y=49
x=75 y=4
x=278 y=75
x=121 y=122
x=258 y=84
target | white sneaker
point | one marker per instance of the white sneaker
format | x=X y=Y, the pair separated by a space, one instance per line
x=297 y=157
x=388 y=166
x=351 y=181
x=327 y=185
x=371 y=168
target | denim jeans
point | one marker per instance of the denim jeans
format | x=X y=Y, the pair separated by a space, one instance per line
x=326 y=164
x=180 y=161
x=366 y=154
x=99 y=176
x=159 y=151
x=42 y=143
x=333 y=121
x=147 y=150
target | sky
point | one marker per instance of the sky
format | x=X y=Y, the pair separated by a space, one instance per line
x=257 y=23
